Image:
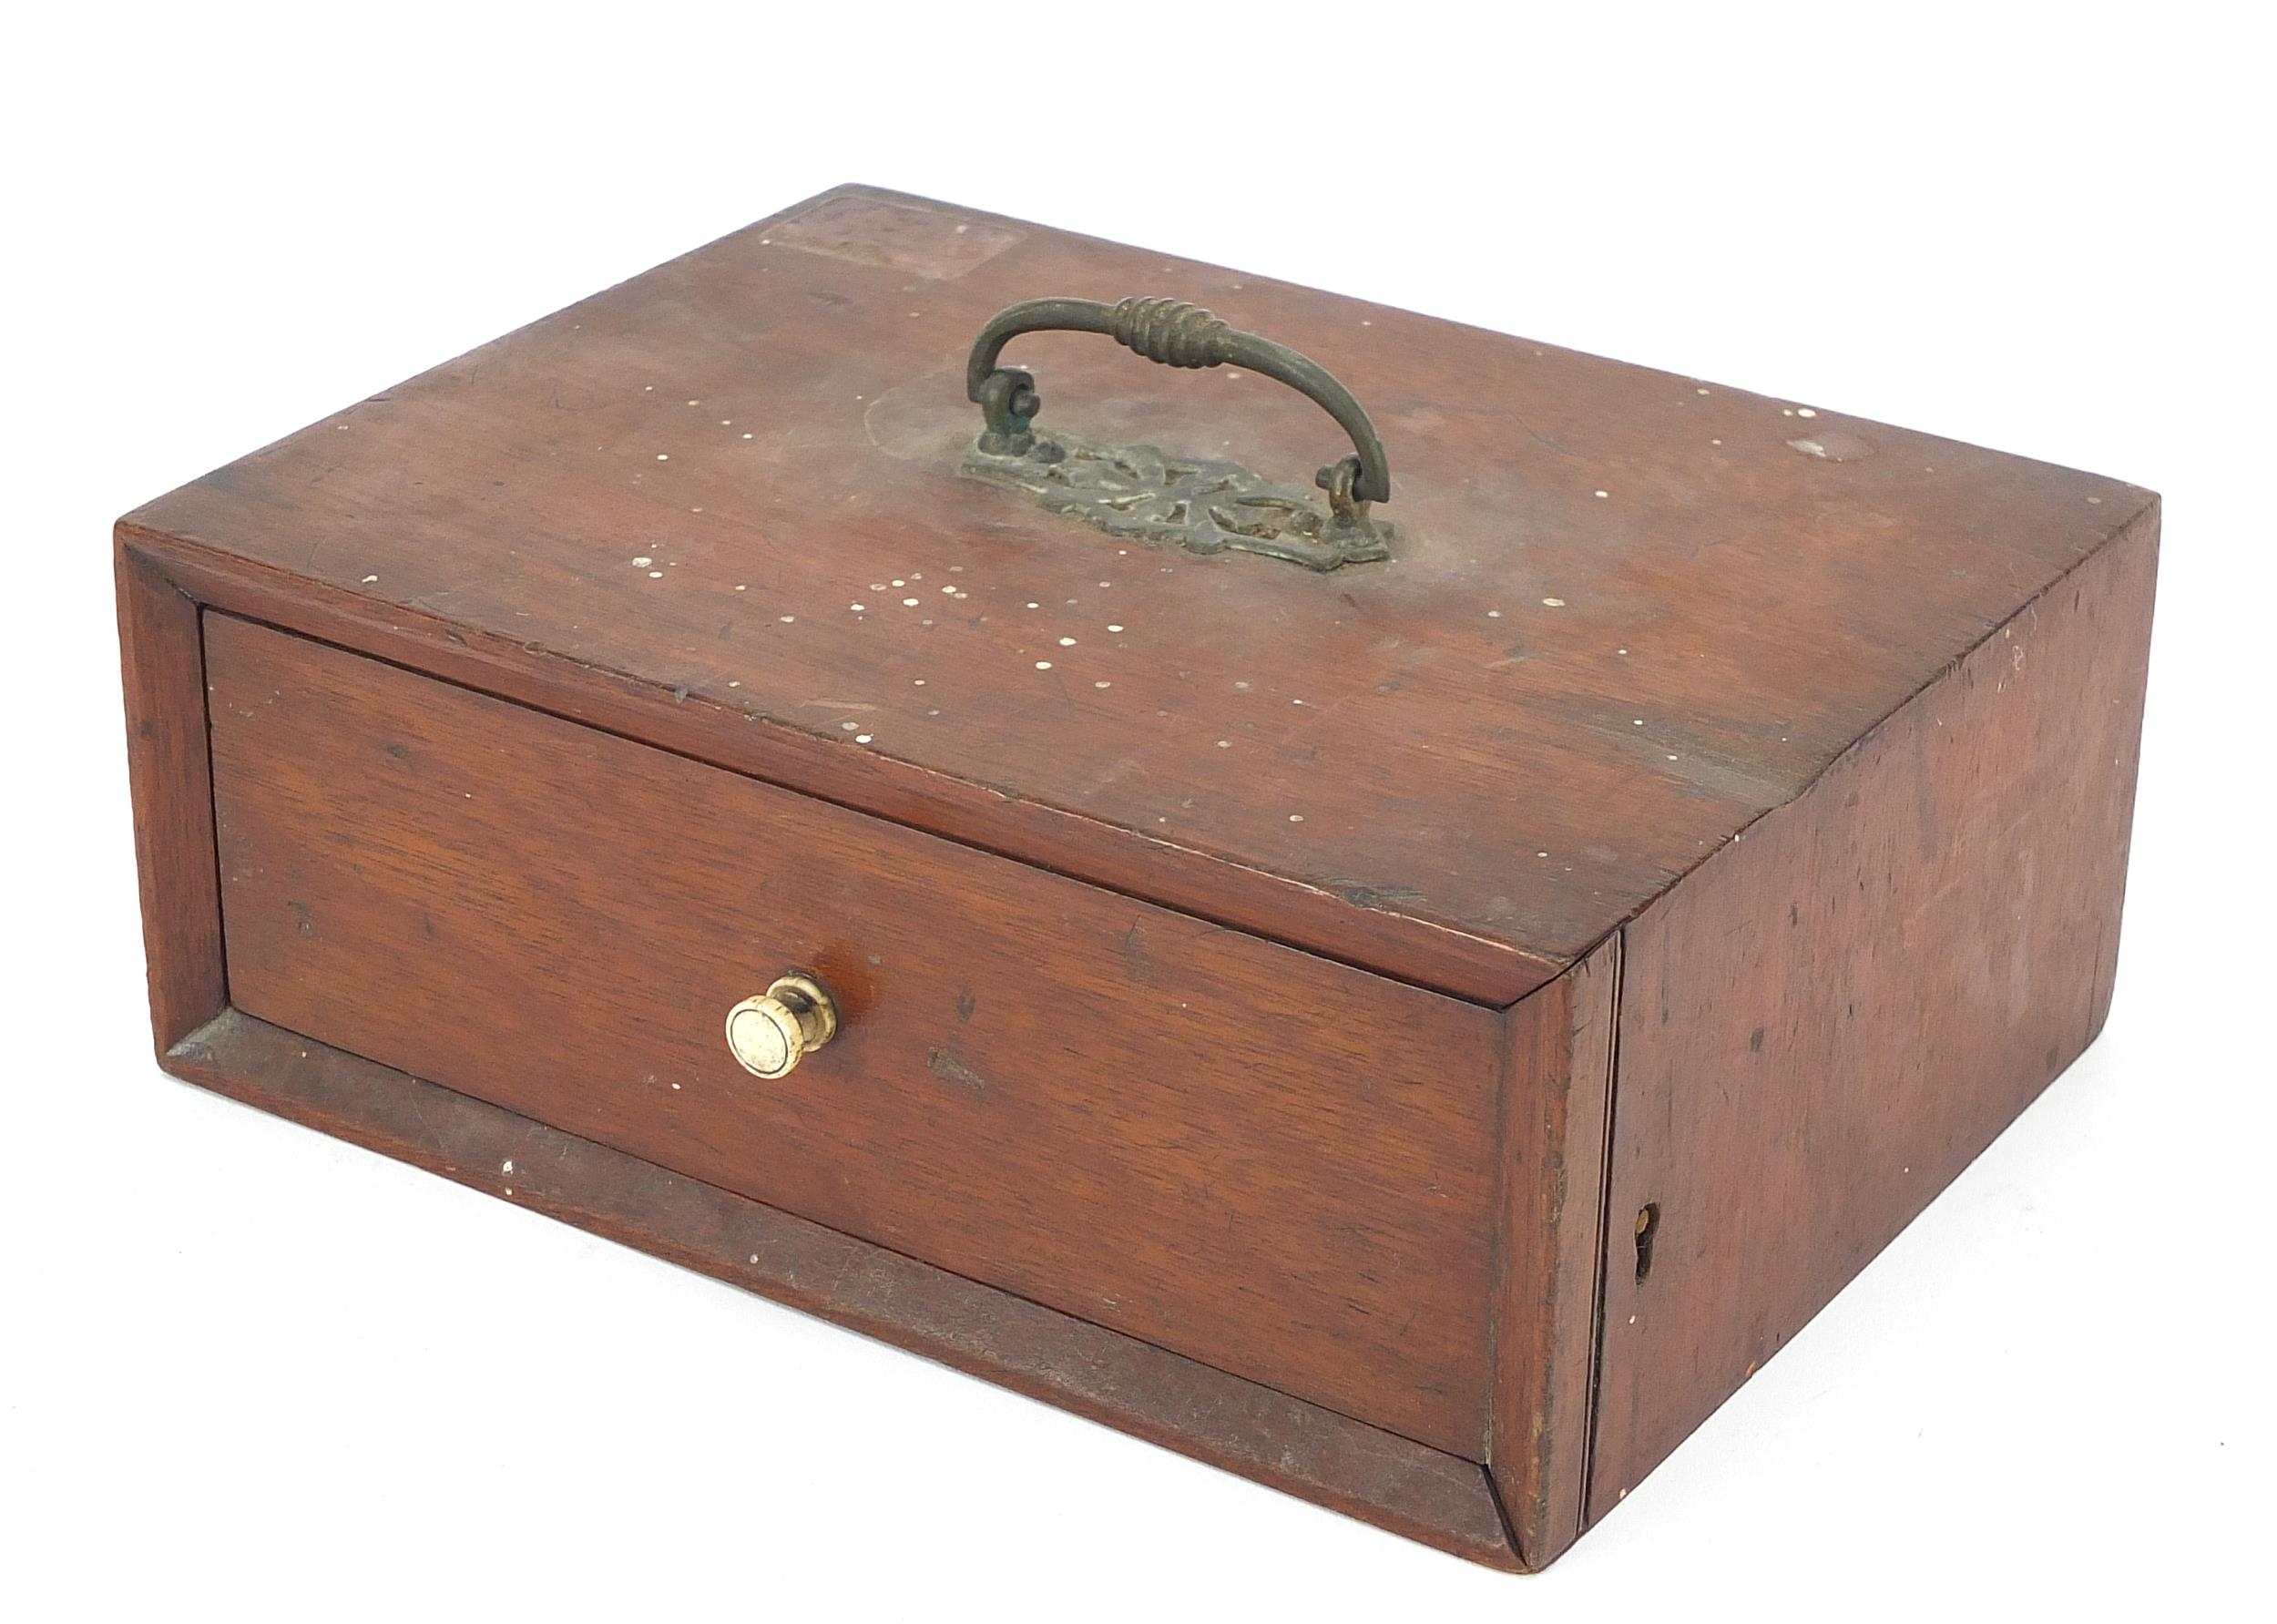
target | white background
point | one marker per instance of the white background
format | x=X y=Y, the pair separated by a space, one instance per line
x=250 y=1373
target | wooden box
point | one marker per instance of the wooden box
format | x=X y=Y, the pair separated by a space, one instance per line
x=1419 y=1032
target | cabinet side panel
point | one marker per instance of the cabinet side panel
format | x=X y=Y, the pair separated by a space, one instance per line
x=162 y=670
x=1555 y=1089
x=1823 y=1024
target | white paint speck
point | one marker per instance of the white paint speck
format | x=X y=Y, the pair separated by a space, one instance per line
x=1225 y=744
x=742 y=588
x=1102 y=685
x=1043 y=664
x=1700 y=391
x=909 y=603
x=1601 y=496
x=1114 y=629
x=663 y=456
x=1296 y=817
x=1067 y=642
x=848 y=726
x=1804 y=412
x=655 y=575
x=1553 y=603
x=1494 y=614
x=861 y=737
x=505 y=1167
x=855 y=607
x=368 y=579
x=787 y=619
x=642 y=562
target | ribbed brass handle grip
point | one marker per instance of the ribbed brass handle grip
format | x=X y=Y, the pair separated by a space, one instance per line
x=769 y=1033
x=1170 y=331
x=1175 y=333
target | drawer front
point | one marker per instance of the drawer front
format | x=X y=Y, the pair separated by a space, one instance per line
x=1275 y=1164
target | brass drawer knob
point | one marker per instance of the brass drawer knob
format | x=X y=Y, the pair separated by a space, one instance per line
x=770 y=1034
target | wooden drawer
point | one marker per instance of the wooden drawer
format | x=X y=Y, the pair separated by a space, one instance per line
x=1272 y=1163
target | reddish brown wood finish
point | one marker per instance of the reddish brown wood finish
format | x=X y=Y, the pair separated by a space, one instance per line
x=1718 y=805
x=1822 y=1027
x=1143 y=1389
x=1557 y=1088
x=1755 y=588
x=1265 y=1161
x=162 y=669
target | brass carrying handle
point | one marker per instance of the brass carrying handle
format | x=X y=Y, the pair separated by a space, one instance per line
x=1175 y=333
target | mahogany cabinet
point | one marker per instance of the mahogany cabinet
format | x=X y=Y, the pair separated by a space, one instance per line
x=1410 y=983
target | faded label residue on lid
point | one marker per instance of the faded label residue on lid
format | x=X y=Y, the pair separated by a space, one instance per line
x=935 y=243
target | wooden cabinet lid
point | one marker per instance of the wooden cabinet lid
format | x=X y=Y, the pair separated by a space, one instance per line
x=1625 y=612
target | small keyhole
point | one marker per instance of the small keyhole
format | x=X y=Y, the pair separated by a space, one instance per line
x=1648 y=1226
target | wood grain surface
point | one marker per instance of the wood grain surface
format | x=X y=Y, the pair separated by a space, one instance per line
x=1420 y=1035
x=1823 y=1025
x=1557 y=1096
x=1060 y=1359
x=1632 y=612
x=162 y=670
x=1270 y=1163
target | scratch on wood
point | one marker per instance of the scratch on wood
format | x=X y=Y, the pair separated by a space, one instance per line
x=1137 y=963
x=950 y=1069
